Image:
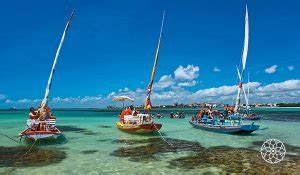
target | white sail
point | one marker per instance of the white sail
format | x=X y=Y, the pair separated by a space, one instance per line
x=240 y=78
x=149 y=88
x=45 y=100
x=156 y=55
x=246 y=41
x=244 y=59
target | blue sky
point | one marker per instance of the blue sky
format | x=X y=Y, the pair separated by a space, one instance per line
x=110 y=46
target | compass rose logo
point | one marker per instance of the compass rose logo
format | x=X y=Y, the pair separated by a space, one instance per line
x=273 y=151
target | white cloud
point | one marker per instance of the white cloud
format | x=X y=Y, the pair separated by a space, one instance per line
x=164 y=82
x=287 y=91
x=216 y=69
x=281 y=87
x=25 y=100
x=187 y=83
x=189 y=73
x=271 y=70
x=2 y=97
x=291 y=68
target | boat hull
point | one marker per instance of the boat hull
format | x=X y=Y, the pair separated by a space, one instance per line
x=40 y=135
x=256 y=117
x=246 y=129
x=143 y=128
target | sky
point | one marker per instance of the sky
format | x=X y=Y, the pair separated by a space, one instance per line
x=110 y=47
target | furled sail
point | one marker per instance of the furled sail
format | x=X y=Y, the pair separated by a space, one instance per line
x=244 y=59
x=45 y=100
x=246 y=41
x=149 y=89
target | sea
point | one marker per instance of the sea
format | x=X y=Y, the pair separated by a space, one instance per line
x=92 y=144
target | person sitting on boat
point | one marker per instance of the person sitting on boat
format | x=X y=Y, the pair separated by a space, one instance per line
x=33 y=115
x=194 y=117
x=225 y=112
x=210 y=112
x=200 y=115
x=134 y=111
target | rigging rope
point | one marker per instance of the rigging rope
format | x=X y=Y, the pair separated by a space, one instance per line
x=170 y=144
x=10 y=138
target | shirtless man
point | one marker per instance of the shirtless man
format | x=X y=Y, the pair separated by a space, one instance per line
x=33 y=114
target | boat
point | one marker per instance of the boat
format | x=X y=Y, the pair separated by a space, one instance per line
x=49 y=133
x=132 y=120
x=228 y=129
x=140 y=123
x=43 y=127
x=232 y=123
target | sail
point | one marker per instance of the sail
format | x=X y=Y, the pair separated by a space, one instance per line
x=149 y=89
x=45 y=100
x=246 y=40
x=244 y=59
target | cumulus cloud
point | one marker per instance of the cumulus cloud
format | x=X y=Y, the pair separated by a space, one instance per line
x=271 y=70
x=291 y=68
x=287 y=91
x=281 y=87
x=216 y=69
x=183 y=77
x=164 y=82
x=186 y=73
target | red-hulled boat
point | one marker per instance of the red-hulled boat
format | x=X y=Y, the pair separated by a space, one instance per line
x=40 y=130
x=41 y=124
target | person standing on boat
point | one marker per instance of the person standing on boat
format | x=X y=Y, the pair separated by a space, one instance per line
x=33 y=114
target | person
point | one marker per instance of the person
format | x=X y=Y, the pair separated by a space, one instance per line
x=33 y=114
x=158 y=115
x=209 y=112
x=200 y=115
x=171 y=115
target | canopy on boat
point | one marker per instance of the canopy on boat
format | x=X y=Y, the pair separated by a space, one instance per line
x=122 y=98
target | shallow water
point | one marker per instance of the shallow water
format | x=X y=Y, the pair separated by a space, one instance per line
x=95 y=145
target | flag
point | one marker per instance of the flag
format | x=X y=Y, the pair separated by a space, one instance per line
x=147 y=104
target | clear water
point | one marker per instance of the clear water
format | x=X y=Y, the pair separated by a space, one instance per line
x=100 y=134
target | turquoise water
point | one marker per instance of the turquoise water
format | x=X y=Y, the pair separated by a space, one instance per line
x=90 y=148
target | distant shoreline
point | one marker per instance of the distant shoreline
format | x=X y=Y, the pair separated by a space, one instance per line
x=166 y=108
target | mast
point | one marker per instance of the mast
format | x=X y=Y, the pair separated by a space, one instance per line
x=45 y=100
x=248 y=92
x=149 y=89
x=244 y=59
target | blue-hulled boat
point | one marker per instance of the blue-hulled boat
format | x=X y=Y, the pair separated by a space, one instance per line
x=226 y=128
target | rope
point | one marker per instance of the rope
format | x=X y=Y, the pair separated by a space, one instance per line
x=10 y=138
x=170 y=144
x=30 y=148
